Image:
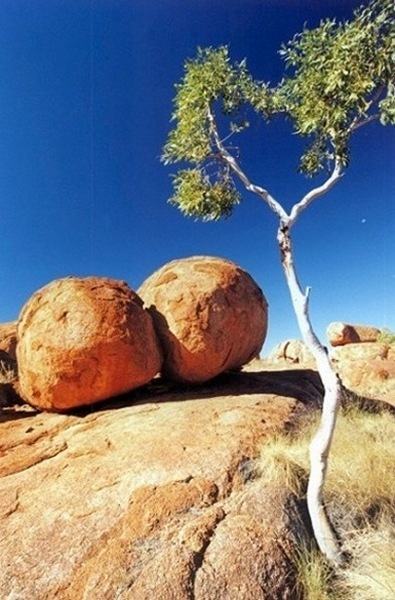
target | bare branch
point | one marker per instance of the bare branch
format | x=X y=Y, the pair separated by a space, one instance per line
x=363 y=122
x=235 y=167
x=314 y=194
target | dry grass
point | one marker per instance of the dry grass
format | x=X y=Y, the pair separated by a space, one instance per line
x=386 y=336
x=315 y=577
x=361 y=471
x=360 y=496
x=7 y=373
x=371 y=573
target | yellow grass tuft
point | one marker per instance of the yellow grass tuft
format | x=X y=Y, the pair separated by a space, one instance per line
x=315 y=577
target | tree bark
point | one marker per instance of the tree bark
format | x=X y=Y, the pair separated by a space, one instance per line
x=322 y=440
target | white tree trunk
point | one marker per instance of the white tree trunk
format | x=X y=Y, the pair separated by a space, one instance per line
x=321 y=442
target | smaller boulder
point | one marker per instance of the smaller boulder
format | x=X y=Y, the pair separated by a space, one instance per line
x=340 y=334
x=292 y=351
x=8 y=366
x=82 y=340
x=8 y=339
x=209 y=314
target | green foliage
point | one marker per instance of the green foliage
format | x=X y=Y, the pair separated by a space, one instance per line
x=208 y=78
x=196 y=196
x=340 y=78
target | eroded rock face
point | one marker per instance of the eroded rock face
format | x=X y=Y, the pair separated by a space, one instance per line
x=209 y=314
x=81 y=340
x=154 y=497
x=340 y=334
x=250 y=555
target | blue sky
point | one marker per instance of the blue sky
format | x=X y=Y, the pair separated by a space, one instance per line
x=85 y=101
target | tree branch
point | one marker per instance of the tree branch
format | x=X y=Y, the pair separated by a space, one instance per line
x=356 y=124
x=233 y=164
x=363 y=122
x=314 y=194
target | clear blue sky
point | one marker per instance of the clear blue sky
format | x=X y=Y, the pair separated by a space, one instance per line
x=86 y=96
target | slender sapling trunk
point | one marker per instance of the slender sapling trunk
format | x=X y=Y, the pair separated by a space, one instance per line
x=322 y=440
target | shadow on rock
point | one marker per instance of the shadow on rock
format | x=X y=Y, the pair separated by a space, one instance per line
x=304 y=385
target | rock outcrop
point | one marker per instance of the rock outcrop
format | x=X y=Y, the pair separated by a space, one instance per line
x=365 y=365
x=209 y=314
x=292 y=351
x=8 y=339
x=367 y=369
x=8 y=366
x=340 y=334
x=82 y=340
x=154 y=496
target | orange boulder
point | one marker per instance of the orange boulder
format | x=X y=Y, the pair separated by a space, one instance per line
x=209 y=314
x=340 y=334
x=367 y=369
x=81 y=340
x=8 y=339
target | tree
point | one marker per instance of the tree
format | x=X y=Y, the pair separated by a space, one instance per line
x=338 y=78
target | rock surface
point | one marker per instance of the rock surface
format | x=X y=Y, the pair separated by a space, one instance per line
x=367 y=369
x=210 y=316
x=83 y=340
x=340 y=334
x=152 y=496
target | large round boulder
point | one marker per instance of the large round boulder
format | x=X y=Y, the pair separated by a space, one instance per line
x=82 y=340
x=209 y=314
